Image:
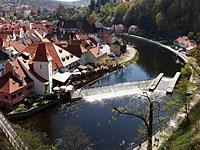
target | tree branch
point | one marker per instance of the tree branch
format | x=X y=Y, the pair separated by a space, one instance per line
x=132 y=114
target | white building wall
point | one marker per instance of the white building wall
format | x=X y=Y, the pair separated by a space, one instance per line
x=39 y=86
x=84 y=58
x=44 y=69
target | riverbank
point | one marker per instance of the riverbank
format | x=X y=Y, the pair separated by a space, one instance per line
x=182 y=56
x=93 y=118
x=187 y=136
x=130 y=55
x=110 y=67
x=175 y=122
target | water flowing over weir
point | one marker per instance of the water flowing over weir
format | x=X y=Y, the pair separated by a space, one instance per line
x=115 y=90
x=123 y=89
x=93 y=116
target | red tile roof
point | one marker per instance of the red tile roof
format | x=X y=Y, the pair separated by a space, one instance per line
x=54 y=51
x=13 y=81
x=18 y=45
x=42 y=53
x=76 y=48
x=96 y=52
x=4 y=37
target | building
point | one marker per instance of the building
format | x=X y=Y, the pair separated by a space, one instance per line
x=62 y=59
x=87 y=50
x=133 y=29
x=39 y=69
x=117 y=46
x=185 y=44
x=15 y=85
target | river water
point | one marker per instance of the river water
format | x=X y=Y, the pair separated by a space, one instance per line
x=91 y=120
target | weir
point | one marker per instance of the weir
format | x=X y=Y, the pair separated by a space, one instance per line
x=114 y=90
x=159 y=85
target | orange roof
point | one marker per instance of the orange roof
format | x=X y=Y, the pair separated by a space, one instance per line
x=31 y=49
x=76 y=48
x=55 y=52
x=18 y=45
x=4 y=37
x=96 y=52
x=14 y=80
x=42 y=53
x=10 y=83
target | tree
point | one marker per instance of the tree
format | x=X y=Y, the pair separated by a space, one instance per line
x=183 y=100
x=146 y=115
x=92 y=5
x=119 y=13
x=33 y=139
x=140 y=13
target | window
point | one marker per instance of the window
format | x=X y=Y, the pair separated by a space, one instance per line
x=20 y=93
x=5 y=96
x=29 y=87
x=14 y=96
x=40 y=67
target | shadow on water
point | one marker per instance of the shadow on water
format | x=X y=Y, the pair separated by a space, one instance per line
x=92 y=119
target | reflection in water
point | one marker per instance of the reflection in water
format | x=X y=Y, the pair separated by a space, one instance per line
x=93 y=118
x=73 y=138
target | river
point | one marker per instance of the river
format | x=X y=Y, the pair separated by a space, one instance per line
x=91 y=120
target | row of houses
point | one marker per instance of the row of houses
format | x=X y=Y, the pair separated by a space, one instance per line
x=35 y=62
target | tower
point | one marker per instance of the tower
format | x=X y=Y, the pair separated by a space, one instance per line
x=42 y=65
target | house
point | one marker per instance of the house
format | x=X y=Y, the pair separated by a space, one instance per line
x=13 y=48
x=39 y=69
x=117 y=46
x=133 y=29
x=185 y=43
x=68 y=27
x=62 y=59
x=118 y=28
x=103 y=32
x=87 y=50
x=15 y=85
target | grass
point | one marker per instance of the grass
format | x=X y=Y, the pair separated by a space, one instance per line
x=187 y=137
x=23 y=108
x=20 y=108
x=132 y=60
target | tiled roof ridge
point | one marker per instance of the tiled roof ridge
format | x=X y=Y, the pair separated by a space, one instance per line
x=42 y=53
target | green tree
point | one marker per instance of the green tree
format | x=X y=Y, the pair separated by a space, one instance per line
x=33 y=139
x=119 y=13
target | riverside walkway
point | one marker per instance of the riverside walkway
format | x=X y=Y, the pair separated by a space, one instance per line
x=12 y=136
x=181 y=55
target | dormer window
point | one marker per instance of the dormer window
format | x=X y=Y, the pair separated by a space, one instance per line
x=63 y=59
x=71 y=55
x=67 y=57
x=60 y=50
